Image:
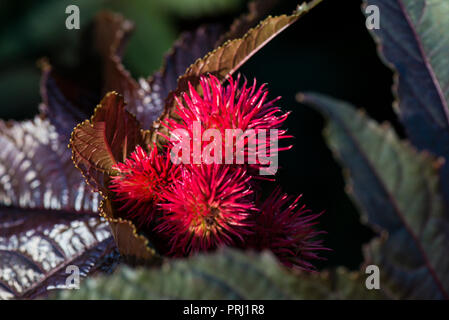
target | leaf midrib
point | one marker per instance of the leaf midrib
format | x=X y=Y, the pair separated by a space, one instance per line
x=395 y=208
x=426 y=61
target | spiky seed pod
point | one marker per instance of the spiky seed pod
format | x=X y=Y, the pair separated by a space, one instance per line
x=207 y=207
x=288 y=230
x=139 y=182
x=230 y=106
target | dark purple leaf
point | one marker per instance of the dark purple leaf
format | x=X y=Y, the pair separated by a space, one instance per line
x=65 y=102
x=36 y=170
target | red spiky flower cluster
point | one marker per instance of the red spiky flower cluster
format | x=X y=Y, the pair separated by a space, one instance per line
x=208 y=206
x=199 y=207
x=231 y=106
x=140 y=181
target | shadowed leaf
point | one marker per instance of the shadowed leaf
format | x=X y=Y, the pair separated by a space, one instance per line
x=398 y=190
x=112 y=32
x=414 y=39
x=227 y=274
x=186 y=50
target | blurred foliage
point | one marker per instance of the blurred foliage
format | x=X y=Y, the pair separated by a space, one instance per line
x=197 y=8
x=228 y=275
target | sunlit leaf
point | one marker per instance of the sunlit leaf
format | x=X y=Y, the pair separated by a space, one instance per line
x=36 y=170
x=48 y=217
x=37 y=246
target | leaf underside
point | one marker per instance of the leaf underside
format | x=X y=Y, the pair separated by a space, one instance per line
x=36 y=170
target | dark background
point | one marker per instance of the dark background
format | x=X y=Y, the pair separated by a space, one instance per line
x=328 y=51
